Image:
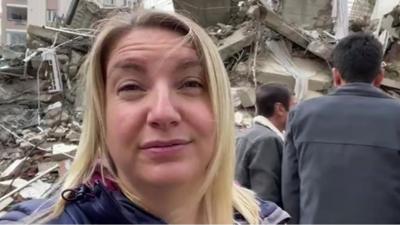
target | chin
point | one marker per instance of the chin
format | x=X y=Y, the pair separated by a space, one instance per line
x=171 y=175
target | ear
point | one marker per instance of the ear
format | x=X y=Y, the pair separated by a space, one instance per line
x=337 y=78
x=279 y=109
x=379 y=79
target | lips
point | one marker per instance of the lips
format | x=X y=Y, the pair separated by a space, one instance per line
x=164 y=143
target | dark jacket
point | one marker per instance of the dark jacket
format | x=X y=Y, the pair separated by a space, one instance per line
x=99 y=205
x=258 y=162
x=341 y=162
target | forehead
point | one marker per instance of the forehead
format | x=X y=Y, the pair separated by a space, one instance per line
x=145 y=44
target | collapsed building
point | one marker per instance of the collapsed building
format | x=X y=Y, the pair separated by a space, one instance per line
x=284 y=41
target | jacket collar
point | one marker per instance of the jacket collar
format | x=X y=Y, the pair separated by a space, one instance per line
x=360 y=89
x=101 y=205
x=267 y=123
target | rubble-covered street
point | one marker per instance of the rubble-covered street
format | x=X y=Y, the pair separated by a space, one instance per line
x=285 y=41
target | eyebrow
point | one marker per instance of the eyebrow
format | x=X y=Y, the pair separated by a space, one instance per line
x=188 y=64
x=129 y=64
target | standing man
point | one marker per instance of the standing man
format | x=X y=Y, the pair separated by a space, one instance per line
x=259 y=149
x=341 y=162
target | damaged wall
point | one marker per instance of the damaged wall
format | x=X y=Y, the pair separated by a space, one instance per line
x=308 y=14
x=206 y=12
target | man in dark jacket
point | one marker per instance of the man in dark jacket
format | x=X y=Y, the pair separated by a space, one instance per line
x=341 y=160
x=259 y=149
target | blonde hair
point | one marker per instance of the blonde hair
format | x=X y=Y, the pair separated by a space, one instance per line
x=219 y=195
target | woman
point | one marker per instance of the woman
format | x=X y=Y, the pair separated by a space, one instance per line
x=157 y=144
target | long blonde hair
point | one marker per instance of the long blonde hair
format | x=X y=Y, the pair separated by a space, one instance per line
x=219 y=195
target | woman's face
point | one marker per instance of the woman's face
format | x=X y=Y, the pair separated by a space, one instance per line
x=160 y=127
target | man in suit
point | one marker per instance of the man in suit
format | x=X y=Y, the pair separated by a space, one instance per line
x=259 y=149
x=341 y=162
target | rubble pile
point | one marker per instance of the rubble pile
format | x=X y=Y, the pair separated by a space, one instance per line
x=260 y=41
x=278 y=43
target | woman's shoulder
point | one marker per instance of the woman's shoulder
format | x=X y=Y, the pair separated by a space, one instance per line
x=270 y=213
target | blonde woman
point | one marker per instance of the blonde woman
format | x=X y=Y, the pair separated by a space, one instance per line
x=157 y=144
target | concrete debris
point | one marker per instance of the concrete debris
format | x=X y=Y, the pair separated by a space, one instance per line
x=23 y=184
x=13 y=168
x=54 y=109
x=73 y=136
x=243 y=96
x=269 y=70
x=59 y=132
x=206 y=12
x=62 y=152
x=220 y=30
x=243 y=119
x=276 y=23
x=46 y=165
x=308 y=14
x=240 y=39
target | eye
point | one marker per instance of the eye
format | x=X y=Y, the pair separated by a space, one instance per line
x=192 y=84
x=130 y=87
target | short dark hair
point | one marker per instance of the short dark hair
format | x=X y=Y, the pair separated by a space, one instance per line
x=358 y=57
x=268 y=95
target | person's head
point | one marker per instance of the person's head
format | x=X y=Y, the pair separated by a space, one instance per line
x=274 y=101
x=159 y=114
x=357 y=58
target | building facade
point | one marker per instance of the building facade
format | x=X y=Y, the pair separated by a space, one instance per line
x=17 y=14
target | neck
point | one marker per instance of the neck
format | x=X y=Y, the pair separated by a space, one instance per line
x=175 y=205
x=275 y=121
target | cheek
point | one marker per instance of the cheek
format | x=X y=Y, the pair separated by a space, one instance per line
x=202 y=122
x=121 y=125
x=202 y=119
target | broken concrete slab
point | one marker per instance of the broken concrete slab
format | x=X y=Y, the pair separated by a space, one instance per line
x=73 y=136
x=243 y=119
x=26 y=183
x=53 y=109
x=25 y=145
x=46 y=165
x=61 y=151
x=245 y=96
x=76 y=126
x=36 y=139
x=277 y=24
x=63 y=148
x=13 y=168
x=321 y=49
x=33 y=190
x=269 y=70
x=59 y=132
x=308 y=14
x=206 y=12
x=240 y=39
x=83 y=13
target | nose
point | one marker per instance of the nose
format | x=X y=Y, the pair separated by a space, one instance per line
x=163 y=113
